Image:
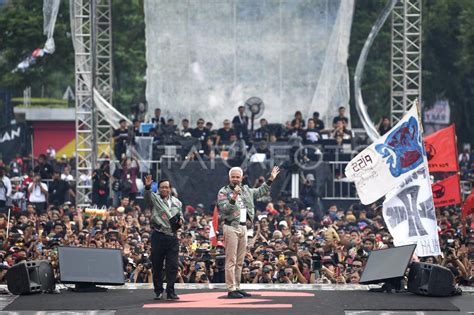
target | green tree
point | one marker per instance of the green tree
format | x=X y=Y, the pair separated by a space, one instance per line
x=376 y=82
x=21 y=22
x=448 y=45
x=129 y=53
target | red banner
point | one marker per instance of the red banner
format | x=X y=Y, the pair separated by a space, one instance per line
x=441 y=150
x=446 y=192
x=468 y=205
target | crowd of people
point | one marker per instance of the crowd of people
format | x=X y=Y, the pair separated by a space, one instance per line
x=235 y=138
x=288 y=242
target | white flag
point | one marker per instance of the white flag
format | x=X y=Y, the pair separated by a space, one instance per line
x=387 y=162
x=410 y=216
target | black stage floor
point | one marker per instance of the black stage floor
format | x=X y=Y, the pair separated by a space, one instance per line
x=140 y=301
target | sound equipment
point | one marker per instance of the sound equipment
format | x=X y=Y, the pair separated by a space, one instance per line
x=85 y=267
x=387 y=266
x=28 y=277
x=431 y=280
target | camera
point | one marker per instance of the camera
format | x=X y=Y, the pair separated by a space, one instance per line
x=204 y=277
x=266 y=269
x=362 y=253
x=316 y=262
x=220 y=262
x=293 y=230
x=290 y=261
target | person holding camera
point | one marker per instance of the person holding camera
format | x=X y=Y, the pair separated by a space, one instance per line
x=38 y=194
x=236 y=206
x=143 y=273
x=166 y=219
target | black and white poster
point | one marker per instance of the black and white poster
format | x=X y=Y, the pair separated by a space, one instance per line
x=14 y=140
x=409 y=213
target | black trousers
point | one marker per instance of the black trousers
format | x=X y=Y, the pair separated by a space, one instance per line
x=164 y=248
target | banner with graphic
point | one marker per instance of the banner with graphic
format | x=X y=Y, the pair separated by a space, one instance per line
x=447 y=192
x=441 y=150
x=388 y=161
x=439 y=113
x=410 y=215
x=13 y=140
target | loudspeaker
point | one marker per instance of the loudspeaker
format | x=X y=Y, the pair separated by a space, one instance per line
x=430 y=280
x=29 y=277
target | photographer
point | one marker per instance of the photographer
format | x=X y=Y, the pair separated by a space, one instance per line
x=142 y=273
x=264 y=275
x=38 y=194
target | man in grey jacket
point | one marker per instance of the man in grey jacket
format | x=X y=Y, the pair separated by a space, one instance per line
x=166 y=218
x=236 y=207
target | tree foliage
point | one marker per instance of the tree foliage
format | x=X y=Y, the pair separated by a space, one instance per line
x=21 y=32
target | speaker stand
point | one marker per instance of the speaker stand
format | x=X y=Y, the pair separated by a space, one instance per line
x=88 y=287
x=390 y=286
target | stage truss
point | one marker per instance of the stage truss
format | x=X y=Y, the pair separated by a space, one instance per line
x=405 y=57
x=93 y=50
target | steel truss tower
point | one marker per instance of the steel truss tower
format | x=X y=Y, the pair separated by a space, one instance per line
x=103 y=82
x=92 y=46
x=406 y=57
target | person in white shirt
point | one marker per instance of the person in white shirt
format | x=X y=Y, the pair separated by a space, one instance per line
x=5 y=188
x=38 y=194
x=66 y=175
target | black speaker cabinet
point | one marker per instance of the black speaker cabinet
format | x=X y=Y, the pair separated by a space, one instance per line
x=430 y=280
x=30 y=277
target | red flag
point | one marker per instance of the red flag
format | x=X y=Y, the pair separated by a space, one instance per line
x=468 y=205
x=446 y=192
x=214 y=227
x=441 y=150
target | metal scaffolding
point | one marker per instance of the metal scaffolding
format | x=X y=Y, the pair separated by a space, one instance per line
x=406 y=57
x=92 y=46
x=103 y=82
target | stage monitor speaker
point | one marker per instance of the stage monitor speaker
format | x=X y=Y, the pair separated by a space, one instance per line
x=387 y=264
x=430 y=280
x=87 y=267
x=28 y=277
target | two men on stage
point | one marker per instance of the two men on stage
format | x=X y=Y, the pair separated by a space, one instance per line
x=236 y=206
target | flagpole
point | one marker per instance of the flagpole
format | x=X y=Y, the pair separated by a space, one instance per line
x=8 y=222
x=418 y=108
x=463 y=219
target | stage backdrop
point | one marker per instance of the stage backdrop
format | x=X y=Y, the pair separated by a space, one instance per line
x=205 y=58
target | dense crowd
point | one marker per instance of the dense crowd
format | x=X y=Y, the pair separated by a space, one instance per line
x=289 y=242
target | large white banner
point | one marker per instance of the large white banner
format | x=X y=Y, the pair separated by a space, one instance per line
x=388 y=161
x=410 y=216
x=205 y=58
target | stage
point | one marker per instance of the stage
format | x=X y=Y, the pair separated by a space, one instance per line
x=266 y=299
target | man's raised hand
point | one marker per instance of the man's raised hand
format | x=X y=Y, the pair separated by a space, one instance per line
x=148 y=180
x=275 y=172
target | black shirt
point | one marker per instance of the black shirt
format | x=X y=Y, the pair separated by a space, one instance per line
x=57 y=191
x=241 y=126
x=339 y=118
x=120 y=135
x=319 y=124
x=225 y=135
x=45 y=170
